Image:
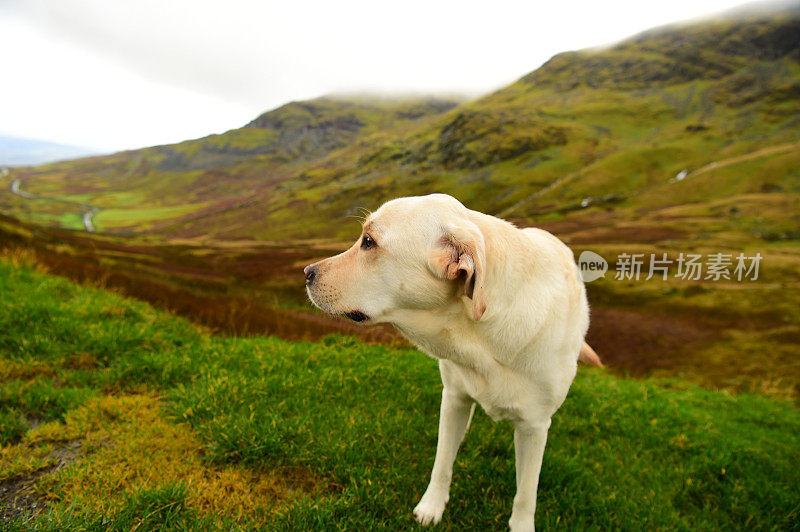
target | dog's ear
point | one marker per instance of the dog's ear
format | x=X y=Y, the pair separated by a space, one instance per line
x=460 y=252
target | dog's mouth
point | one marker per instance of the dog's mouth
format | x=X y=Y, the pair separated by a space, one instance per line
x=356 y=315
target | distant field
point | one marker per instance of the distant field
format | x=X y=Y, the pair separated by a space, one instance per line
x=137 y=219
x=117 y=416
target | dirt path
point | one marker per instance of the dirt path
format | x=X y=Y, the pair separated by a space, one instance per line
x=771 y=150
x=87 y=221
x=16 y=190
x=88 y=225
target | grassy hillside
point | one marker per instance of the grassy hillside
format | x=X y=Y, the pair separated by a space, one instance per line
x=589 y=132
x=117 y=416
x=142 y=190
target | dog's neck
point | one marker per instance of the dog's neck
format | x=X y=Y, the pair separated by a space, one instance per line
x=449 y=335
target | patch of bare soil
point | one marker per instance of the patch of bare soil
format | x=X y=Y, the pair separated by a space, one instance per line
x=566 y=226
x=640 y=342
x=18 y=496
x=227 y=314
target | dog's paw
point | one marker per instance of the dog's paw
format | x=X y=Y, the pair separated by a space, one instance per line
x=431 y=507
x=521 y=522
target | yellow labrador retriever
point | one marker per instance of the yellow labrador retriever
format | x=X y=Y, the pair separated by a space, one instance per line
x=502 y=309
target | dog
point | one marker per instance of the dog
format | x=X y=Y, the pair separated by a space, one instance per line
x=502 y=309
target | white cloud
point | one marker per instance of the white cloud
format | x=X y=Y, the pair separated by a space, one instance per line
x=132 y=73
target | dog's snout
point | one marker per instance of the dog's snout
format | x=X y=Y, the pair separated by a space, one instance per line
x=311 y=273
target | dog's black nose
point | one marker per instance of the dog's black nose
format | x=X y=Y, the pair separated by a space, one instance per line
x=311 y=273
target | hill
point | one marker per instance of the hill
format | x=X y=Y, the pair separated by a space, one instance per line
x=589 y=131
x=148 y=190
x=97 y=392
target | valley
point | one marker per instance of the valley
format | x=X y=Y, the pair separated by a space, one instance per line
x=680 y=140
x=161 y=366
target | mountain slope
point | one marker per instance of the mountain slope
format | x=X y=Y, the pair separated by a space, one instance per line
x=608 y=128
x=589 y=130
x=135 y=191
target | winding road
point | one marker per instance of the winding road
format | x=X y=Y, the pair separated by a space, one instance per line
x=87 y=215
x=87 y=221
x=21 y=193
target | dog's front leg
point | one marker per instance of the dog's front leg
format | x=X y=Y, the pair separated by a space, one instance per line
x=529 y=442
x=453 y=420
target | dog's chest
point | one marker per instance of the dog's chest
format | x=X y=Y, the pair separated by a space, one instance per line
x=499 y=413
x=501 y=394
x=468 y=366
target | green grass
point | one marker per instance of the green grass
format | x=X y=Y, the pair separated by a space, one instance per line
x=109 y=218
x=71 y=219
x=177 y=429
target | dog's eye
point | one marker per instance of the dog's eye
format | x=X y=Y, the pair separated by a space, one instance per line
x=368 y=243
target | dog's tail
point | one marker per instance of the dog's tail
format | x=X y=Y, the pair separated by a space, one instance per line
x=469 y=421
x=589 y=357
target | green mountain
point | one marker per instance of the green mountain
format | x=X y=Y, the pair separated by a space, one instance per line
x=148 y=190
x=590 y=131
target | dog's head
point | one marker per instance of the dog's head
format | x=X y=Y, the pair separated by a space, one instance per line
x=414 y=254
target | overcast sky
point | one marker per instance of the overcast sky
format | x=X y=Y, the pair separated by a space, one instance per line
x=116 y=74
